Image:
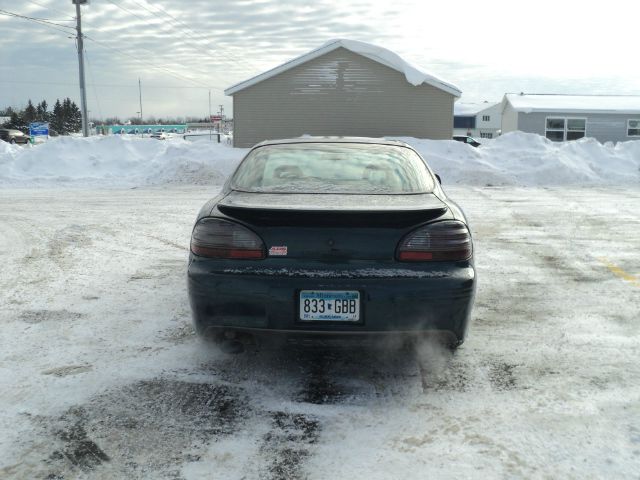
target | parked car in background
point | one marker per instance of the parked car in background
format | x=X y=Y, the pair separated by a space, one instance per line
x=321 y=240
x=159 y=136
x=467 y=139
x=14 y=136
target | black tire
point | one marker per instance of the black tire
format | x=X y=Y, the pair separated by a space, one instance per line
x=12 y=141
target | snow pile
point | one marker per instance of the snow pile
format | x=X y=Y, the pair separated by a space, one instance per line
x=526 y=159
x=528 y=103
x=414 y=75
x=513 y=159
x=116 y=161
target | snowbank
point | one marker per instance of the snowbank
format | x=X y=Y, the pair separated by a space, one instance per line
x=116 y=161
x=414 y=75
x=526 y=159
x=513 y=159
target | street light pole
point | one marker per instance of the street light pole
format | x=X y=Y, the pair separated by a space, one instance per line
x=83 y=90
x=140 y=92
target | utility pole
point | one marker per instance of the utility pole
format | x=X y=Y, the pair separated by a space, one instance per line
x=83 y=89
x=140 y=92
x=210 y=123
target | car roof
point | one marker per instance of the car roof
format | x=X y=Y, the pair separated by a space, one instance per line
x=333 y=139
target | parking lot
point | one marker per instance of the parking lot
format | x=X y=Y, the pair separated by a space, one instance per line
x=101 y=374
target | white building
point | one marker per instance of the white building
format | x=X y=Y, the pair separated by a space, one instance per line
x=480 y=120
x=607 y=118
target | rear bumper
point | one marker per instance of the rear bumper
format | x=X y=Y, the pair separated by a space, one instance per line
x=393 y=301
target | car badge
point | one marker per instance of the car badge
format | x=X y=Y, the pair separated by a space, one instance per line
x=278 y=251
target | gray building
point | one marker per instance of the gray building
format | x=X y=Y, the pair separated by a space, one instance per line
x=607 y=118
x=345 y=88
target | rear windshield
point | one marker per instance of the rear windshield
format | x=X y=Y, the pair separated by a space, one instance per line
x=333 y=168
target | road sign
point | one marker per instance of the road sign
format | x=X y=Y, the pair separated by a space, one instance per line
x=216 y=118
x=39 y=129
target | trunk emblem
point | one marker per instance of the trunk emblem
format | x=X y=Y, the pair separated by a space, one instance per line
x=278 y=251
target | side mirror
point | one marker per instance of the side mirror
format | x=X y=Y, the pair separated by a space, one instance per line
x=439 y=179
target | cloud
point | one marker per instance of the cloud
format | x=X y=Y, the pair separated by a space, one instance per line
x=196 y=45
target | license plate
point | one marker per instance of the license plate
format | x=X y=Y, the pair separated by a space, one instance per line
x=330 y=305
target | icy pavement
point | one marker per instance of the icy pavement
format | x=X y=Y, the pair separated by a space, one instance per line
x=101 y=375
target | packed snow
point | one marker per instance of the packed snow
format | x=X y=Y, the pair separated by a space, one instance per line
x=514 y=159
x=534 y=102
x=102 y=376
x=413 y=74
x=117 y=161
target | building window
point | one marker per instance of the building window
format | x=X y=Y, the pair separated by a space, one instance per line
x=559 y=129
x=486 y=135
x=486 y=118
x=464 y=122
x=633 y=128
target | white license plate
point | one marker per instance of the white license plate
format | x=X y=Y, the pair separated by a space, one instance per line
x=330 y=305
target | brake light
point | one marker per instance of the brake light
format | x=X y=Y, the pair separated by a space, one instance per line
x=441 y=241
x=219 y=238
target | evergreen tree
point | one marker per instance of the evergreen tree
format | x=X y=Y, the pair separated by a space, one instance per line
x=29 y=113
x=57 y=118
x=17 y=121
x=41 y=112
x=71 y=118
x=74 y=117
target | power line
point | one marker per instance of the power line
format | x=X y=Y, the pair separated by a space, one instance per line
x=151 y=51
x=170 y=25
x=126 y=10
x=114 y=85
x=173 y=74
x=41 y=21
x=194 y=35
x=104 y=45
x=46 y=7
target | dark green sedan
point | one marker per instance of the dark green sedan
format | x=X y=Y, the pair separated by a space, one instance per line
x=326 y=240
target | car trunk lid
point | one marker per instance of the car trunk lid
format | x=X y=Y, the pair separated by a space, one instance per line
x=332 y=227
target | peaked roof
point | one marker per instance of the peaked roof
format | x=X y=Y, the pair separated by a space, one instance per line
x=413 y=74
x=468 y=109
x=532 y=102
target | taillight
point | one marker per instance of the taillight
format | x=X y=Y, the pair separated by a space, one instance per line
x=218 y=238
x=441 y=241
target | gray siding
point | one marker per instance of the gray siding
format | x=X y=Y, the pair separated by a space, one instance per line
x=603 y=127
x=509 y=119
x=340 y=93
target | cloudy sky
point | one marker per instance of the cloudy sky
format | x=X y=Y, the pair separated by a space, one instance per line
x=183 y=49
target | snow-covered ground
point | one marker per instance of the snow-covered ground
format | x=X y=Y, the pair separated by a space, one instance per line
x=101 y=375
x=518 y=159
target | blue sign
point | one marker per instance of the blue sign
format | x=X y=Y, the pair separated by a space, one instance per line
x=38 y=128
